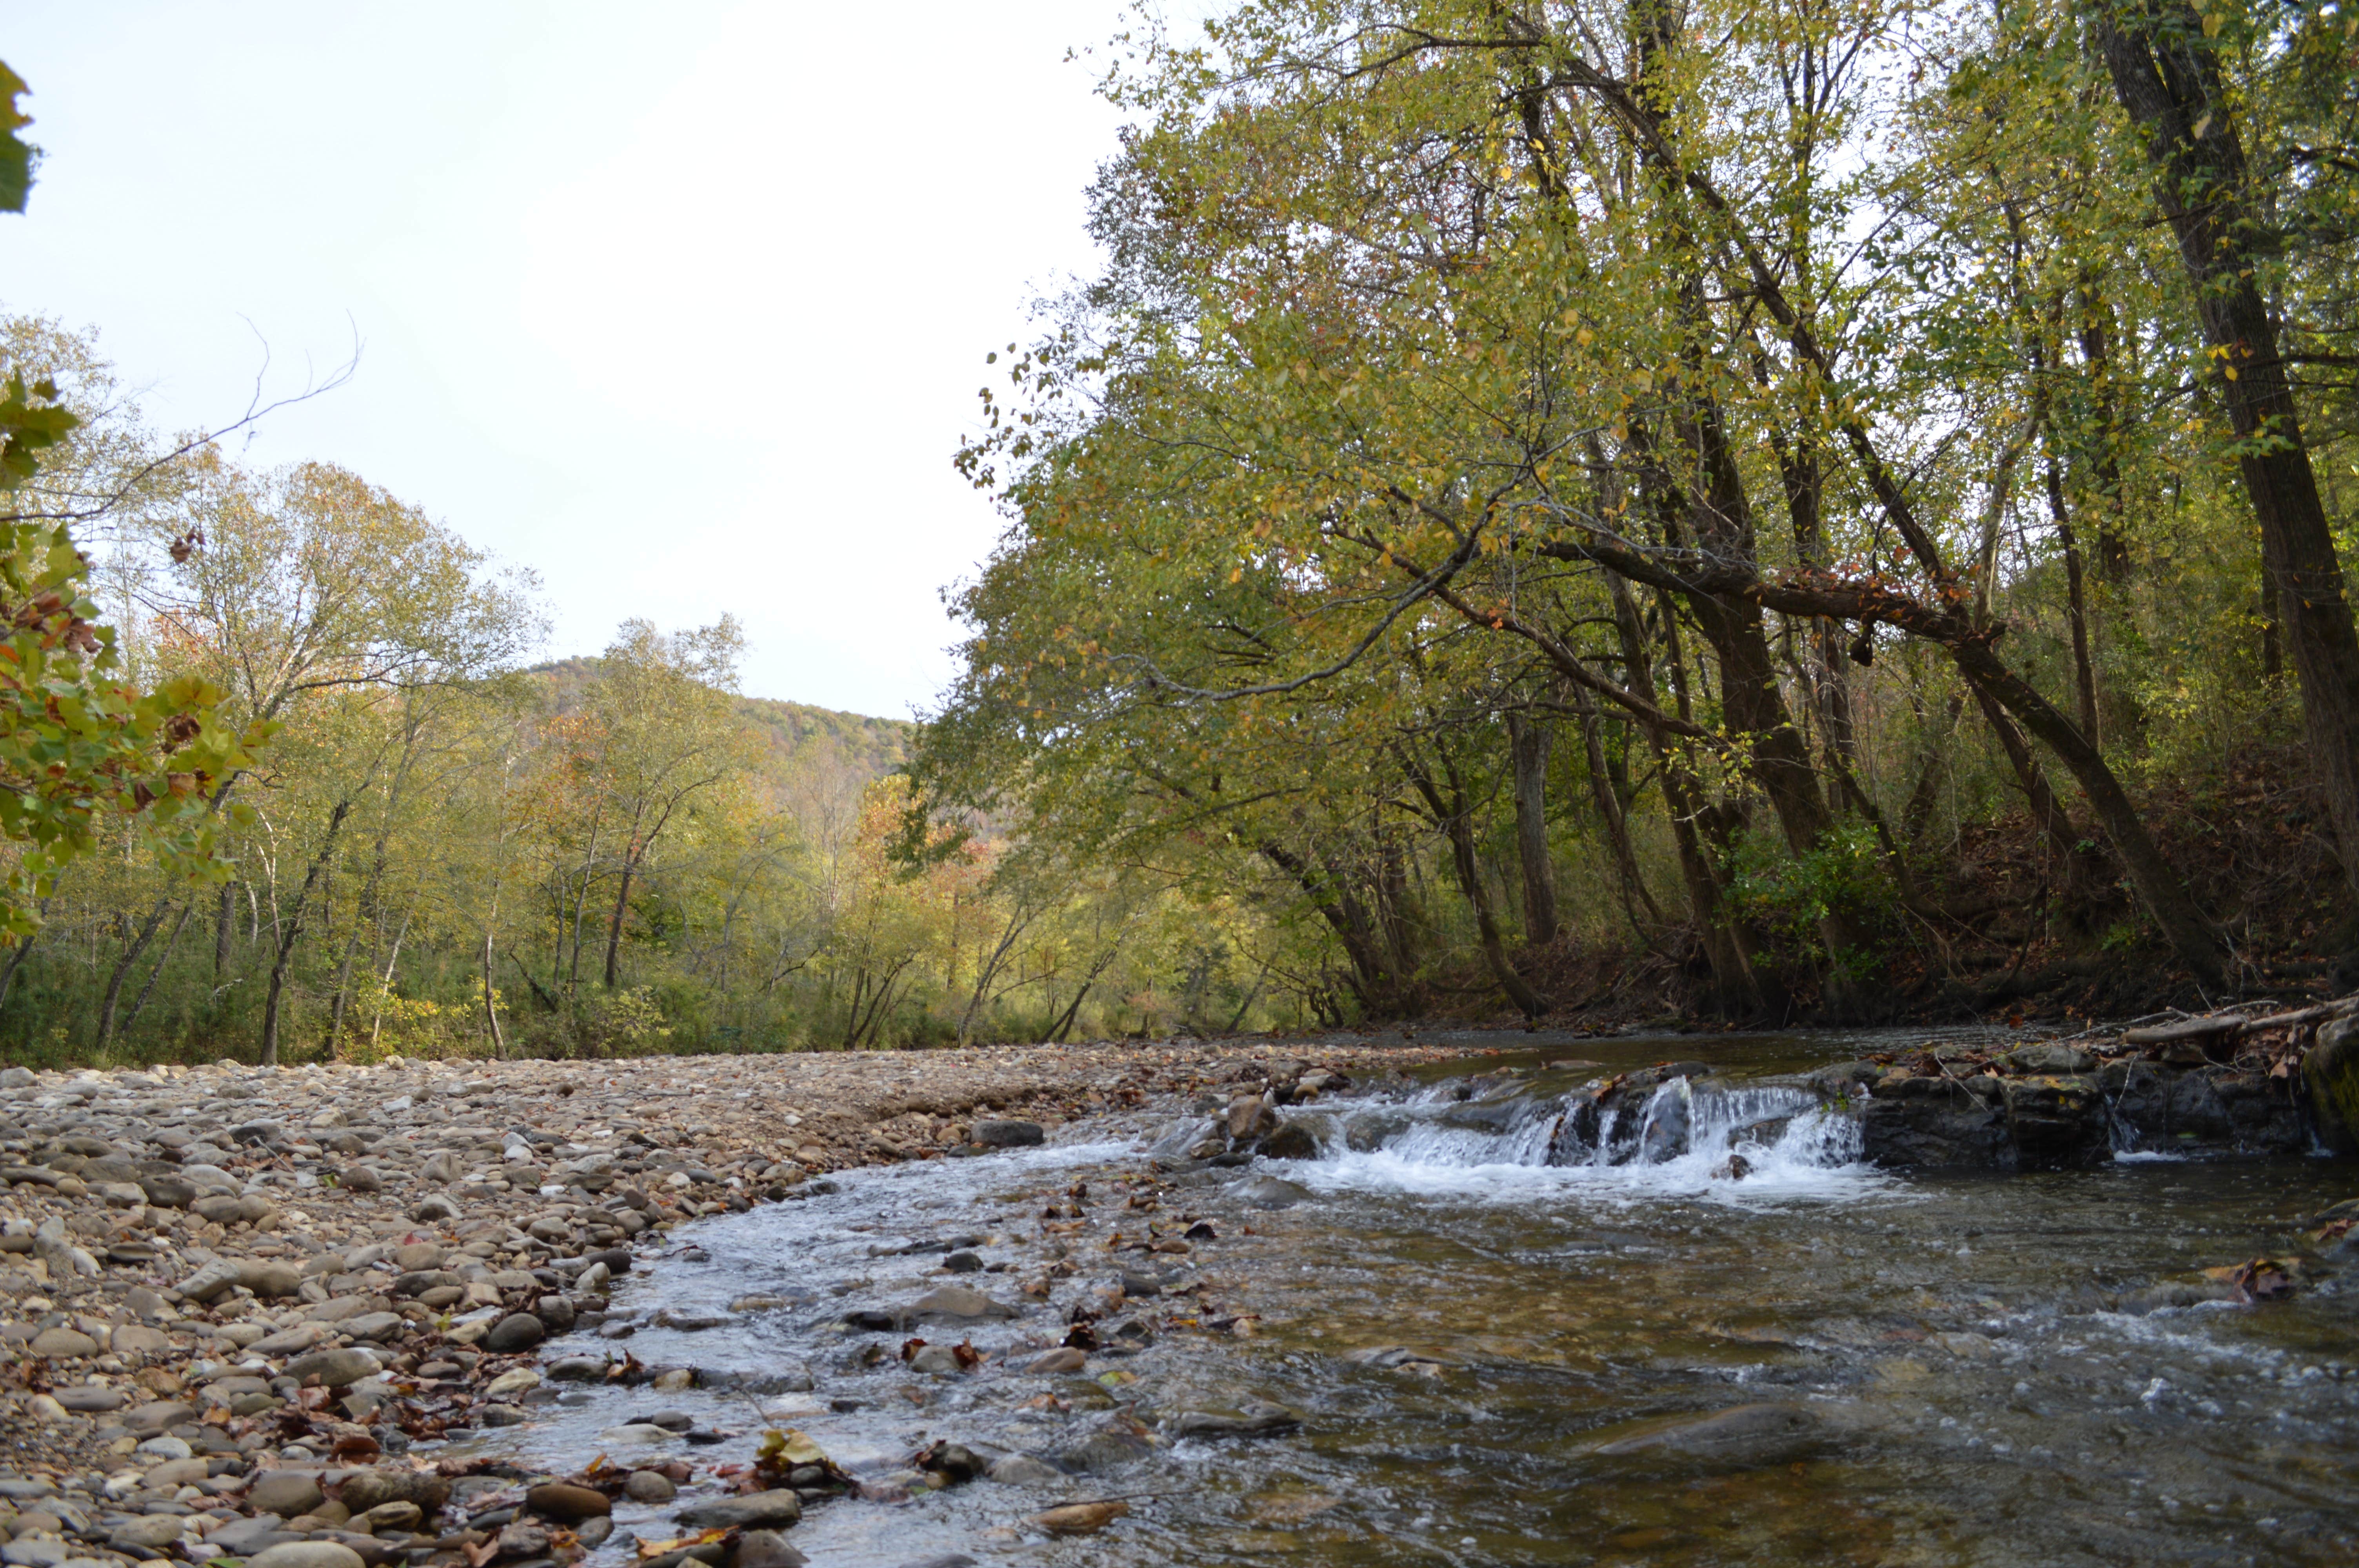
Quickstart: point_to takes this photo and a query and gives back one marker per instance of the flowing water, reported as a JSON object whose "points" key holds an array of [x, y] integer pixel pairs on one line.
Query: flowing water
{"points": [[1494, 1324]]}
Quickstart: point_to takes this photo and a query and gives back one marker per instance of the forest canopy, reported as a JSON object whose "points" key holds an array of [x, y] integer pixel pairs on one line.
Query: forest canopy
{"points": [[1817, 503]]}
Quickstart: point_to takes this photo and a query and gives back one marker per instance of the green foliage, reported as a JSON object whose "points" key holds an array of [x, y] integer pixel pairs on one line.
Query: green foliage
{"points": [[1790, 897], [18, 155]]}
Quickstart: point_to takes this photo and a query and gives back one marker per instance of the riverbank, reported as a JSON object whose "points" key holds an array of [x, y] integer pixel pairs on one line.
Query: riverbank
{"points": [[202, 1270], [246, 1313]]}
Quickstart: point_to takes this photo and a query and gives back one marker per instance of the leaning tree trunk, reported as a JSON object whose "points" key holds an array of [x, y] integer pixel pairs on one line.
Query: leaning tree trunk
{"points": [[1528, 742], [131, 951], [2167, 74], [293, 928]]}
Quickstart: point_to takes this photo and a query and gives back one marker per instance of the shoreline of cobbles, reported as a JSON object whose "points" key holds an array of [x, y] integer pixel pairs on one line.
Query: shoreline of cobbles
{"points": [[240, 1307]]}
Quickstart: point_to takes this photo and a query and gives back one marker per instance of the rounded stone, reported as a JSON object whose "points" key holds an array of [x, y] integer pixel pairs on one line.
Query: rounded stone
{"points": [[306, 1554], [566, 1503], [518, 1331], [333, 1368], [649, 1486], [60, 1343], [286, 1493]]}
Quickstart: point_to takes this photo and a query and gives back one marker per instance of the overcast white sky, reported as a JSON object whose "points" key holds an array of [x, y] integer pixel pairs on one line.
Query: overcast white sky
{"points": [[683, 306]]}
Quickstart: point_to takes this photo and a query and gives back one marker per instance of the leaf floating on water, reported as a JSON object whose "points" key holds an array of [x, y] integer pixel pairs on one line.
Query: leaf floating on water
{"points": [[2258, 1279]]}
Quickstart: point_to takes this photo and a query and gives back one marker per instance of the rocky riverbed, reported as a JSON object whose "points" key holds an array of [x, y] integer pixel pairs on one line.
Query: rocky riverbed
{"points": [[239, 1306], [1172, 1303]]}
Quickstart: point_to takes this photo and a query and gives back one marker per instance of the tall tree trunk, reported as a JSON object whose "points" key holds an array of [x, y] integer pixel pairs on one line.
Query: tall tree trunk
{"points": [[131, 951], [291, 928], [164, 956], [1528, 740], [491, 1006], [2076, 608], [614, 927], [1736, 989], [1381, 988], [1616, 822], [2167, 74], [16, 957], [1454, 816]]}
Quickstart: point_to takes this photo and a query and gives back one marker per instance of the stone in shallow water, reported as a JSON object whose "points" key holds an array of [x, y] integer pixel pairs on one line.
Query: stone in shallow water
{"points": [[1767, 1433], [956, 1301], [754, 1511], [1258, 1419], [1023, 1470], [1009, 1134], [649, 1486], [1271, 1192]]}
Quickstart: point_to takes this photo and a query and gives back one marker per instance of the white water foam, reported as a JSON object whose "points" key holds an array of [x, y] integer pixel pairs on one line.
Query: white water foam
{"points": [[1794, 1149]]}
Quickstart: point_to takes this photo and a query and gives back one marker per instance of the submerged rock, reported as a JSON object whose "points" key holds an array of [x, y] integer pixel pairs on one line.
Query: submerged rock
{"points": [[1271, 1192], [1753, 1434], [1292, 1141]]}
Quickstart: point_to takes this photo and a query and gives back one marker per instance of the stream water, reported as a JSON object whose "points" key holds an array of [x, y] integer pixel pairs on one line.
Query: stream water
{"points": [[1499, 1359]]}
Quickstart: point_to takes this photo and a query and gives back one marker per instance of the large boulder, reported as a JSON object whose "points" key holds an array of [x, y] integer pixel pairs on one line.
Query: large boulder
{"points": [[2330, 1073], [1937, 1124]]}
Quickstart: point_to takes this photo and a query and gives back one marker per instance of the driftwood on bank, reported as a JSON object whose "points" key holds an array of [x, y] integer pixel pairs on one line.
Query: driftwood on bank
{"points": [[2228, 1023]]}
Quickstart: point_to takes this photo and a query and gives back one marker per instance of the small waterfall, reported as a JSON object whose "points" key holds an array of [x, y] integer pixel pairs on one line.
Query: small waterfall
{"points": [[1648, 1131]]}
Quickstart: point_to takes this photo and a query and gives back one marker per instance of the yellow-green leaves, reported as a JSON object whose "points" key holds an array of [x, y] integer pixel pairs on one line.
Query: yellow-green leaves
{"points": [[18, 155]]}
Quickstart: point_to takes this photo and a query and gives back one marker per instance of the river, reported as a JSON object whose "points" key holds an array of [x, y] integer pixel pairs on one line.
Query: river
{"points": [[1488, 1358]]}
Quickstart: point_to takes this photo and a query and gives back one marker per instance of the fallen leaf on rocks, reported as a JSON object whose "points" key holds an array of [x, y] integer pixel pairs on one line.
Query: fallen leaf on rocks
{"points": [[1082, 1519]]}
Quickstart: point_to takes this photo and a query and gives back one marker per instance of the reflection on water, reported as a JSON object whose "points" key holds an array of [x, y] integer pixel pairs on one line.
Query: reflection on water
{"points": [[1477, 1341]]}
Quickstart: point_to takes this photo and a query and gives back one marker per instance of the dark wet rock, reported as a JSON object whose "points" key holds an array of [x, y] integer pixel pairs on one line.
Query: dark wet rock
{"points": [[2056, 1123], [962, 1263], [954, 1460], [1292, 1141], [1271, 1192], [754, 1511], [1504, 1115], [1669, 1121], [765, 1549], [1745, 1434], [2331, 1073], [1010, 1134], [1257, 1419], [518, 1331], [1104, 1451], [1936, 1124]]}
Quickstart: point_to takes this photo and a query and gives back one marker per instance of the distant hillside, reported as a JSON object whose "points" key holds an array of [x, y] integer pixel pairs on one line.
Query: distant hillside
{"points": [[870, 748]]}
